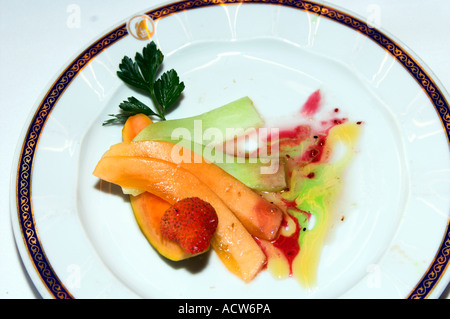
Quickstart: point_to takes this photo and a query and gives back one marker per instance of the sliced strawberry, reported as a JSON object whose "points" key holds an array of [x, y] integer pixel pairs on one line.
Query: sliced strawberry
{"points": [[191, 222]]}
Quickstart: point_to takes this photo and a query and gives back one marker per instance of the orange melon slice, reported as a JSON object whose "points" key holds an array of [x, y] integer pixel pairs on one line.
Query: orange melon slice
{"points": [[260, 217], [234, 245]]}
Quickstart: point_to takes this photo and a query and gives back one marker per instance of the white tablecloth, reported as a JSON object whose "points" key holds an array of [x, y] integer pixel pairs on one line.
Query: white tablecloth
{"points": [[38, 38]]}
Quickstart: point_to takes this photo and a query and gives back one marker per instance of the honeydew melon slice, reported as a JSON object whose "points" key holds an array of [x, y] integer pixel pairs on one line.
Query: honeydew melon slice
{"points": [[202, 133]]}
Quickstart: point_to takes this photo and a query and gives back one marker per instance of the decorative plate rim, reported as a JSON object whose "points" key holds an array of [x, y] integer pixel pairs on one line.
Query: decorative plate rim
{"points": [[27, 148]]}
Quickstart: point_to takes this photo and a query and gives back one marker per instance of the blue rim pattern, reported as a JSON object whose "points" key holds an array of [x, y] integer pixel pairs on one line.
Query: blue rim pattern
{"points": [[24, 171]]}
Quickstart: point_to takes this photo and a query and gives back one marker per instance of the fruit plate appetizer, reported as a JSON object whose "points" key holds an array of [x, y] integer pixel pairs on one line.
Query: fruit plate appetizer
{"points": [[238, 148]]}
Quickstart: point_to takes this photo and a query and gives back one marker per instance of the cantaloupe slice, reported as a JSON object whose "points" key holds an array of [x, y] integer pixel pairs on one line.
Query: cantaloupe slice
{"points": [[234, 245], [148, 210], [134, 125], [261, 218], [131, 128]]}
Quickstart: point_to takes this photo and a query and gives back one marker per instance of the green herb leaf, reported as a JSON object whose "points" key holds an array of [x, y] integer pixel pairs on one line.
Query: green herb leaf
{"points": [[133, 105], [129, 108], [168, 89], [141, 74], [117, 119], [130, 74], [149, 62]]}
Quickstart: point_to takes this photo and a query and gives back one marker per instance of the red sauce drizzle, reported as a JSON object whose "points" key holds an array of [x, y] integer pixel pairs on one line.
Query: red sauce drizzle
{"points": [[300, 132], [289, 245], [312, 104], [314, 152]]}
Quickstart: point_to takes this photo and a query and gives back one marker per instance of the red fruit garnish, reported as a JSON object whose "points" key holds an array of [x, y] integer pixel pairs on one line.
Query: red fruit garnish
{"points": [[191, 222]]}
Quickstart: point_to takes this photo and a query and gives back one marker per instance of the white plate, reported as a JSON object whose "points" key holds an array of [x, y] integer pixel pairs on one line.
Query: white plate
{"points": [[80, 240]]}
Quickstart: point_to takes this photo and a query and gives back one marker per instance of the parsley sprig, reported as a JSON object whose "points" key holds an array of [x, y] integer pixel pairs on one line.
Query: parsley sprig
{"points": [[141, 74]]}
